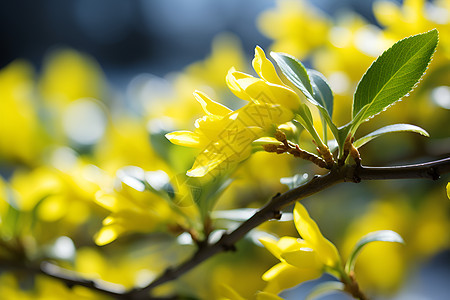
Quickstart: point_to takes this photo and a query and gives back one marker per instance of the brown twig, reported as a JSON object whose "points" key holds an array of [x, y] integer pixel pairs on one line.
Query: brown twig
{"points": [[294, 149], [352, 287]]}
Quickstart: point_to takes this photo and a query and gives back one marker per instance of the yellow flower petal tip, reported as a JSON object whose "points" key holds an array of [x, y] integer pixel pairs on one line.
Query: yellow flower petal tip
{"points": [[105, 236], [211, 107], [264, 67], [184, 138]]}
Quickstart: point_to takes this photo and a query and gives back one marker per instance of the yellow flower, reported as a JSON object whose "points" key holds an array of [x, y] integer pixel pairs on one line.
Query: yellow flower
{"points": [[267, 89], [225, 136], [301, 259]]}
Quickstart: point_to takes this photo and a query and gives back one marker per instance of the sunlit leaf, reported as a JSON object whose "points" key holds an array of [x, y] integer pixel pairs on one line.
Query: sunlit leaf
{"points": [[294, 181], [376, 236], [393, 75], [390, 129], [321, 90], [294, 70], [311, 83]]}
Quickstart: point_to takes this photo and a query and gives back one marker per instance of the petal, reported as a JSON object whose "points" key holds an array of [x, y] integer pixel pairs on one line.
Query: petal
{"points": [[310, 232], [264, 67], [228, 293], [205, 163], [285, 243], [271, 245], [108, 234], [303, 258], [266, 92], [283, 276], [211, 126], [184, 138], [258, 90], [231, 80], [263, 115], [210, 106], [106, 200]]}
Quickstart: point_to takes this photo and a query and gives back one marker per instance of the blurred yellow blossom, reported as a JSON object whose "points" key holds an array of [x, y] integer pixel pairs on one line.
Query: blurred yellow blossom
{"points": [[414, 16], [126, 142], [69, 75], [21, 135], [352, 45], [296, 27], [164, 96], [131, 211], [57, 193], [226, 51]]}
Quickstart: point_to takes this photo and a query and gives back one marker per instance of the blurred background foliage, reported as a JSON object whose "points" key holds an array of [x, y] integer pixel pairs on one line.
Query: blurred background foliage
{"points": [[89, 88]]}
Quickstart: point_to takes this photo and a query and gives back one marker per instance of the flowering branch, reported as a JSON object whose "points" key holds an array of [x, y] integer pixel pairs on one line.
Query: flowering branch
{"points": [[430, 170], [338, 174]]}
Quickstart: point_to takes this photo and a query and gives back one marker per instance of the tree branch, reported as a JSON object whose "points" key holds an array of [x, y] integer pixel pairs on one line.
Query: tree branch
{"points": [[430, 170], [71, 278]]}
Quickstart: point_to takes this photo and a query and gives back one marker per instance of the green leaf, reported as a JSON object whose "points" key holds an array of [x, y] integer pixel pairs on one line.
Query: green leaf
{"points": [[212, 193], [304, 117], [389, 129], [311, 83], [321, 91], [325, 288], [341, 136], [376, 236], [294, 70], [392, 76], [204, 194]]}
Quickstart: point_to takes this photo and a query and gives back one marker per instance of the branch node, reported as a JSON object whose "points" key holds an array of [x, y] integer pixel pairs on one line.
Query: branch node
{"points": [[276, 196], [277, 215], [169, 273], [231, 248], [434, 174]]}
